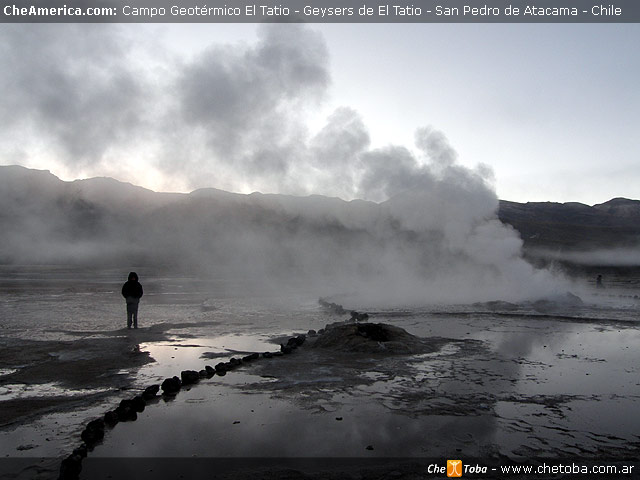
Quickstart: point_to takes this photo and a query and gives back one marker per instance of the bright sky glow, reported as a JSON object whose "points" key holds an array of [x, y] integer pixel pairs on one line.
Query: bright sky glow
{"points": [[553, 109]]}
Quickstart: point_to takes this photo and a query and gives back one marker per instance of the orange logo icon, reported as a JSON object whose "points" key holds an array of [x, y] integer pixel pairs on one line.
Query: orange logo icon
{"points": [[454, 468]]}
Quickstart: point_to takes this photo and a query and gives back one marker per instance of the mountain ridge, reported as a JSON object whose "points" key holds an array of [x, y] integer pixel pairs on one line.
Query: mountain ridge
{"points": [[614, 203], [615, 223], [98, 210]]}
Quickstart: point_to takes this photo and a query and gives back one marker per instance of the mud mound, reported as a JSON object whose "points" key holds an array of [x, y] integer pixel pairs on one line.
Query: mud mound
{"points": [[371, 338]]}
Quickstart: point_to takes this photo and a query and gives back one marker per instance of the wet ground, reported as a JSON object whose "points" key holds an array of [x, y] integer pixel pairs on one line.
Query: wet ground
{"points": [[502, 387], [505, 381]]}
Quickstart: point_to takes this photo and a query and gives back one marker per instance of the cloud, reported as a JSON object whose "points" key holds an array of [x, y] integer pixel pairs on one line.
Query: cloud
{"points": [[71, 88], [245, 102], [436, 146], [232, 117]]}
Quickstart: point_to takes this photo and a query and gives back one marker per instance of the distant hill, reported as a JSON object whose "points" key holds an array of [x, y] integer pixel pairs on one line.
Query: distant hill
{"points": [[101, 220], [571, 226], [44, 219]]}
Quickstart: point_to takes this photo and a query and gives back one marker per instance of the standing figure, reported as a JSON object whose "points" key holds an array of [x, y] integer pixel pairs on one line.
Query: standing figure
{"points": [[599, 282], [132, 291]]}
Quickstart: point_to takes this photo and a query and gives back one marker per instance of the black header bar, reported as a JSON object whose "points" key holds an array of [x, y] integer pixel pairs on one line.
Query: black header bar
{"points": [[319, 11]]}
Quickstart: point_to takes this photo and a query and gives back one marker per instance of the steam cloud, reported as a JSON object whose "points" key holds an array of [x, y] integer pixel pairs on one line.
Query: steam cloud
{"points": [[232, 117], [68, 88]]}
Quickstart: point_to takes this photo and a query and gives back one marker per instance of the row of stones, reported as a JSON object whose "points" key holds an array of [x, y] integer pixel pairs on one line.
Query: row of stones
{"points": [[128, 409]]}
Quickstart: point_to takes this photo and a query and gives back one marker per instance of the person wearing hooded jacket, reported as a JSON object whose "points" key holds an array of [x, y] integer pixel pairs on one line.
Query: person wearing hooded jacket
{"points": [[132, 292]]}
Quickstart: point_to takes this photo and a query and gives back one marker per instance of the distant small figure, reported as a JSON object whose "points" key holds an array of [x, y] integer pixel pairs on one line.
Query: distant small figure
{"points": [[132, 292], [599, 282]]}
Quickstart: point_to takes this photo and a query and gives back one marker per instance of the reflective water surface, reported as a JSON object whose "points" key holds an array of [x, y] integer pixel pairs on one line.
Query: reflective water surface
{"points": [[509, 380]]}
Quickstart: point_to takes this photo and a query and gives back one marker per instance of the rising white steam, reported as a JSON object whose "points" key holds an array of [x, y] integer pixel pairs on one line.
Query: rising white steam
{"points": [[411, 227]]}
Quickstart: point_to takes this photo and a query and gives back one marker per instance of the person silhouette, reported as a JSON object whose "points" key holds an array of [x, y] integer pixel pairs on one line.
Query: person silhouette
{"points": [[599, 282], [132, 292]]}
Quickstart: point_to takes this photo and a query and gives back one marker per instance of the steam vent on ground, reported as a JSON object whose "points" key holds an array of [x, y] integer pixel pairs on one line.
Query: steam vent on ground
{"points": [[373, 338]]}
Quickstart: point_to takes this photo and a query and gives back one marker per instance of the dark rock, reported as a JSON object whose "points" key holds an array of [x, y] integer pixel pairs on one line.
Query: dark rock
{"points": [[138, 403], [94, 432], [332, 307], [111, 418], [91, 437], [210, 371], [373, 338], [81, 451], [27, 446], [375, 331], [277, 354], [189, 377], [312, 333], [70, 467], [359, 317], [369, 447], [150, 392], [235, 362], [321, 331], [97, 424], [203, 373], [267, 355], [126, 411], [221, 368], [171, 386], [221, 373], [251, 357], [132, 416], [295, 342], [286, 349]]}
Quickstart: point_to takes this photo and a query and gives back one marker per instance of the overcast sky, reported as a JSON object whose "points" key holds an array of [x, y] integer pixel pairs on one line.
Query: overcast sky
{"points": [[553, 110]]}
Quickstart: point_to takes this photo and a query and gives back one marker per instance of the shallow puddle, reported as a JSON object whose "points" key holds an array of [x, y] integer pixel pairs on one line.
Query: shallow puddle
{"points": [[175, 356], [215, 419]]}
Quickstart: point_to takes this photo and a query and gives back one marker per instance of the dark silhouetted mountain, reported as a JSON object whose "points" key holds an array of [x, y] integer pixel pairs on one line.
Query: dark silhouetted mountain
{"points": [[613, 224], [44, 219], [102, 220]]}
